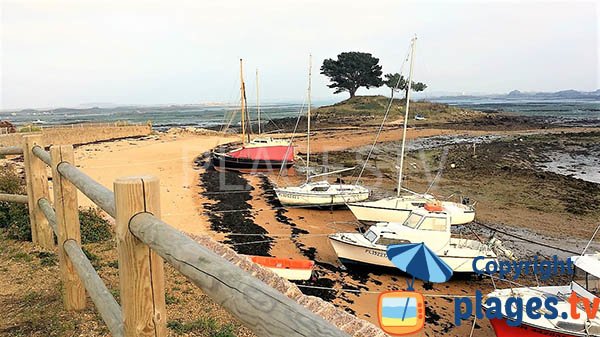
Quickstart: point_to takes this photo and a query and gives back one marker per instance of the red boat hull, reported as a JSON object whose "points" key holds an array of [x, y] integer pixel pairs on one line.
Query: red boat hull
{"points": [[502, 329], [278, 153]]}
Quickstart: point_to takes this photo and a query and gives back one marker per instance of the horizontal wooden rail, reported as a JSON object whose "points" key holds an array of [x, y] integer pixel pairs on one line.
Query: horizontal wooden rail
{"points": [[22, 199], [42, 154], [107, 306], [100, 195], [105, 303], [264, 310], [11, 150], [48, 211]]}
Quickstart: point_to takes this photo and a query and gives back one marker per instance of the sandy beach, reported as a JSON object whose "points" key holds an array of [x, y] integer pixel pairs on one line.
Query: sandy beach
{"points": [[193, 201], [169, 157]]}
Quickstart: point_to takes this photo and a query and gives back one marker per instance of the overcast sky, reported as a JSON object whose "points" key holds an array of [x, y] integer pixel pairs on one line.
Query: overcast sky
{"points": [[64, 53]]}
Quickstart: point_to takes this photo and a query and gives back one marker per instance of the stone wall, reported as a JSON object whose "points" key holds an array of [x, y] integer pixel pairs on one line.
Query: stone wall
{"points": [[344, 321], [79, 134]]}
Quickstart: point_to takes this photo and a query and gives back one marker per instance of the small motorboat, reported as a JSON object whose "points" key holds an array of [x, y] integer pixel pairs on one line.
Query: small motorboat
{"points": [[585, 284], [428, 225], [290, 269]]}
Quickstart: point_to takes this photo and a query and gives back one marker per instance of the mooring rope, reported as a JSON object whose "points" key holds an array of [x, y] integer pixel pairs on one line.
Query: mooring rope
{"points": [[526, 240], [358, 291]]}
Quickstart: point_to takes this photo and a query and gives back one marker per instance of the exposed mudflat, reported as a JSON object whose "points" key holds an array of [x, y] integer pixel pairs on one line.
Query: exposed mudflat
{"points": [[530, 210]]}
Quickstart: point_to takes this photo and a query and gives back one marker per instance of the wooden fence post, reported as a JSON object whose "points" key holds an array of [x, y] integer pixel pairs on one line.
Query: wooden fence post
{"points": [[68, 227], [141, 273], [37, 187]]}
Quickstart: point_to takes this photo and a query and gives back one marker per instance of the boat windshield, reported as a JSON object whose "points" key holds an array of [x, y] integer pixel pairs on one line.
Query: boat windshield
{"points": [[588, 281], [371, 236], [433, 224], [320, 188], [413, 220]]}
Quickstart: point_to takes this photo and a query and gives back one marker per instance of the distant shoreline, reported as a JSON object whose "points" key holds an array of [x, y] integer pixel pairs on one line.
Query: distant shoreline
{"points": [[213, 117]]}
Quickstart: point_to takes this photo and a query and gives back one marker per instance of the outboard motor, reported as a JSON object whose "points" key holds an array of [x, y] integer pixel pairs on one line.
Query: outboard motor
{"points": [[497, 244]]}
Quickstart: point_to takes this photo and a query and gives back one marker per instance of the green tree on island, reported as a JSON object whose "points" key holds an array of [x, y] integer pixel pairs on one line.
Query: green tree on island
{"points": [[351, 71], [392, 79]]}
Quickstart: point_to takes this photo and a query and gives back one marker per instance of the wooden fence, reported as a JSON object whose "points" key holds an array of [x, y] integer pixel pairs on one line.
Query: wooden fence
{"points": [[143, 241]]}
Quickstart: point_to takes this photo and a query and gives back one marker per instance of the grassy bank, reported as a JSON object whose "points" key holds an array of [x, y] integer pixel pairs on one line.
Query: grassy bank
{"points": [[371, 109], [31, 294], [361, 111]]}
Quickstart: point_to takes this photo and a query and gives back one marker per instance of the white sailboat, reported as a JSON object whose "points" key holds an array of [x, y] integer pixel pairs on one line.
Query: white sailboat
{"points": [[422, 225], [398, 208], [319, 193], [585, 284]]}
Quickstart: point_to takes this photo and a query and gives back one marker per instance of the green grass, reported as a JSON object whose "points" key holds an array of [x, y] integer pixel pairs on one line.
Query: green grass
{"points": [[94, 228], [94, 259], [47, 259], [22, 257], [208, 326], [170, 299], [29, 128], [372, 109]]}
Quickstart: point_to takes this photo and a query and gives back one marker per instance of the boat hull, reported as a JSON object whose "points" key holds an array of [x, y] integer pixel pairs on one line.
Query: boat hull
{"points": [[349, 253], [390, 210], [224, 161], [371, 214], [502, 329], [277, 153], [297, 270], [291, 198]]}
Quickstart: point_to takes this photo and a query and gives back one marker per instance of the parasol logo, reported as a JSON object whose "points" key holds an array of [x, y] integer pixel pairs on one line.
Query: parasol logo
{"points": [[403, 312]]}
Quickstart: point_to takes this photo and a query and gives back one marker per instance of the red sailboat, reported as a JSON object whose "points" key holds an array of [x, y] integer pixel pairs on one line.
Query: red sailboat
{"points": [[258, 154]]}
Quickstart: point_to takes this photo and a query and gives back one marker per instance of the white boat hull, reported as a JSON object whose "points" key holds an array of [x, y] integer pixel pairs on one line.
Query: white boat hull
{"points": [[292, 274], [398, 209], [336, 195], [349, 253]]}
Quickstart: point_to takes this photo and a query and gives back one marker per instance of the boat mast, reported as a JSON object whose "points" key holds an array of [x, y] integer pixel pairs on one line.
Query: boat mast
{"points": [[308, 119], [410, 74], [243, 104], [258, 103]]}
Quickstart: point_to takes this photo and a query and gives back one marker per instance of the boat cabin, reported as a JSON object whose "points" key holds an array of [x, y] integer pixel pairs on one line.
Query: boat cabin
{"points": [[432, 228], [264, 140], [586, 276], [268, 141]]}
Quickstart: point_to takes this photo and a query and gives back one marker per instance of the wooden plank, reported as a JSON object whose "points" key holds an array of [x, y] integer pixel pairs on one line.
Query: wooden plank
{"points": [[11, 150], [141, 272], [22, 199], [37, 188], [261, 308], [68, 228]]}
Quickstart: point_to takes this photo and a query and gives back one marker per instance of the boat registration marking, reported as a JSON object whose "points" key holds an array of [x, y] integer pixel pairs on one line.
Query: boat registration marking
{"points": [[376, 253]]}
